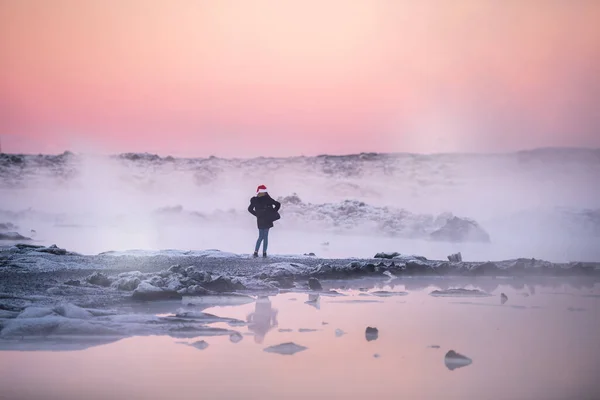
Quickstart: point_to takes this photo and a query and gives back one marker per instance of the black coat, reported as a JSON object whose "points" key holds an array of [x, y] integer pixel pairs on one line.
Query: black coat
{"points": [[263, 208]]}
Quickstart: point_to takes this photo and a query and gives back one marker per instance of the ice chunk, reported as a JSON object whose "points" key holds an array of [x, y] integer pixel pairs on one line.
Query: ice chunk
{"points": [[285, 349], [8, 314], [371, 334], [285, 330], [200, 345], [459, 293], [126, 283], [99, 279], [503, 298], [72, 311], [219, 300], [148, 292], [454, 360], [384, 293], [304, 330], [54, 326], [36, 312], [339, 333], [236, 337]]}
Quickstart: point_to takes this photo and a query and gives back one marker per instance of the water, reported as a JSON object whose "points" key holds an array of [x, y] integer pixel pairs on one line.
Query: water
{"points": [[541, 344]]}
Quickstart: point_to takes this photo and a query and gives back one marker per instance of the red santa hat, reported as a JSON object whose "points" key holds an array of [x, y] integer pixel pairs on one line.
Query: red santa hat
{"points": [[261, 189]]}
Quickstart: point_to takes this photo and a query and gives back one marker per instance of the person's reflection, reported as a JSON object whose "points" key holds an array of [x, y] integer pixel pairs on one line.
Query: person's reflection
{"points": [[263, 319]]}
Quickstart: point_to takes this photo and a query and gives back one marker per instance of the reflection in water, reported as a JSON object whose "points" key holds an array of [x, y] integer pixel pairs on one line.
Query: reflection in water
{"points": [[263, 319], [536, 347]]}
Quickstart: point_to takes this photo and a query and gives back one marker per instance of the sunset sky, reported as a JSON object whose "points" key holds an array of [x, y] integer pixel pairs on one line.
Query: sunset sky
{"points": [[282, 77]]}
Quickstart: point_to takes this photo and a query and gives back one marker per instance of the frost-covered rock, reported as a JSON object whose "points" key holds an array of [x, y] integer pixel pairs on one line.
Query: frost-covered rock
{"points": [[68, 310], [224, 284], [36, 312], [148, 292], [98, 278], [461, 230], [457, 257], [127, 283]]}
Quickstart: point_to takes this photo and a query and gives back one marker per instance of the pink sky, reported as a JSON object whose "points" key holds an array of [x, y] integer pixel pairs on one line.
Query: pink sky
{"points": [[282, 77]]}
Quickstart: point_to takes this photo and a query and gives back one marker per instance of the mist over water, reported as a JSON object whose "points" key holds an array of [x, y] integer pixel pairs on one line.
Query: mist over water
{"points": [[542, 203]]}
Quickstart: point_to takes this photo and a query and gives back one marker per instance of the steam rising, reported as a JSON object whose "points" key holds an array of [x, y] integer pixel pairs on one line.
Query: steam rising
{"points": [[541, 204]]}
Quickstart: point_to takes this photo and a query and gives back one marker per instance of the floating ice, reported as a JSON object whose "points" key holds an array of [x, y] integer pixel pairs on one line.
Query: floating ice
{"points": [[339, 333], [200, 345], [285, 349], [384, 293], [304, 330], [459, 293]]}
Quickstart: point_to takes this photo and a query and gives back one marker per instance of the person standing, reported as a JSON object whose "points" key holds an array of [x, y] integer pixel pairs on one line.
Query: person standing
{"points": [[266, 211]]}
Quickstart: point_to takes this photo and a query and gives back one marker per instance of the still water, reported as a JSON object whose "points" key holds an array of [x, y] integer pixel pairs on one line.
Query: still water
{"points": [[542, 343]]}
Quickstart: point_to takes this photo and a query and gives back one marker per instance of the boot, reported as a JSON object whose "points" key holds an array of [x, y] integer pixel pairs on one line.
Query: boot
{"points": [[255, 255], [264, 255]]}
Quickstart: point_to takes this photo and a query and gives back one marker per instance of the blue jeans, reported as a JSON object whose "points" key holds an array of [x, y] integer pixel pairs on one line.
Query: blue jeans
{"points": [[263, 237]]}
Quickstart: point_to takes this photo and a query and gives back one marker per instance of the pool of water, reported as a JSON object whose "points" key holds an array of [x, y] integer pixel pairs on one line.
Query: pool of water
{"points": [[542, 343]]}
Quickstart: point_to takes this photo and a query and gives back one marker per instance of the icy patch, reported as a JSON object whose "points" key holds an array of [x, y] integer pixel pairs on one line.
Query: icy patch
{"points": [[219, 300], [285, 349], [356, 301], [384, 293], [459, 293]]}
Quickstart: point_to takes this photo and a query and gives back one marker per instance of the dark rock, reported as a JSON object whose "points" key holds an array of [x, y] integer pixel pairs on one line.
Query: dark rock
{"points": [[283, 282], [461, 230], [314, 284], [12, 236], [371, 334], [223, 284], [387, 255], [457, 257], [454, 360], [98, 278], [57, 251], [368, 268], [310, 254]]}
